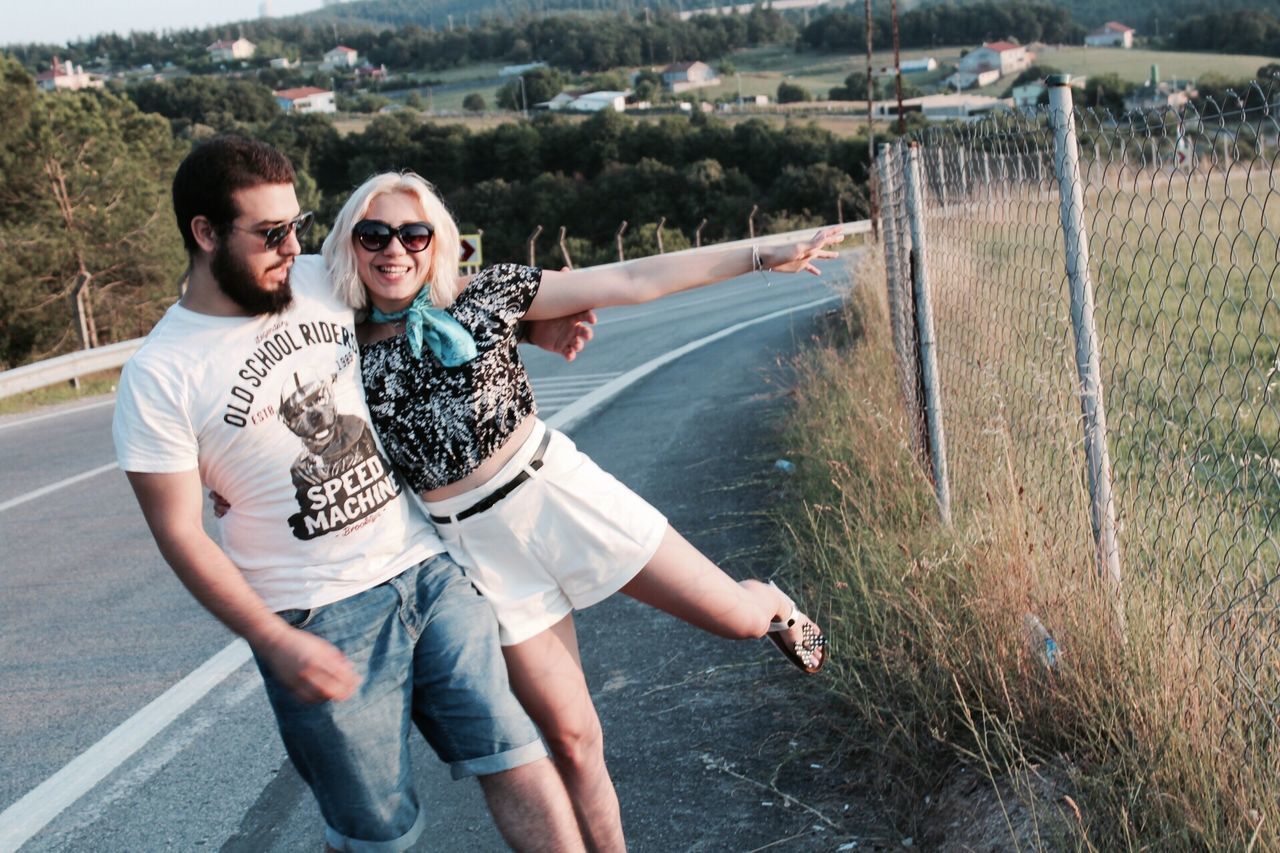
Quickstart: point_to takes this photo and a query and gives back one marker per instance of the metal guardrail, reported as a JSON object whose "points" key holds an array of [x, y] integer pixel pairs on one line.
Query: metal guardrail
{"points": [[64, 368], [73, 365]]}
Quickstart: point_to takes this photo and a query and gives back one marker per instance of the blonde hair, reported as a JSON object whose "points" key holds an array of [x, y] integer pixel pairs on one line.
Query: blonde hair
{"points": [[340, 251]]}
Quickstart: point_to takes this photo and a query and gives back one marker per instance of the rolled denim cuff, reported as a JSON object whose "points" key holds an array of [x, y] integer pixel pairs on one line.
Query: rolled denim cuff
{"points": [[396, 845], [490, 764]]}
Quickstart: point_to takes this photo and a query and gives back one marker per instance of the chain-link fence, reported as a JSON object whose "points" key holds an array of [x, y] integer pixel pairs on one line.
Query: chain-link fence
{"points": [[1099, 295]]}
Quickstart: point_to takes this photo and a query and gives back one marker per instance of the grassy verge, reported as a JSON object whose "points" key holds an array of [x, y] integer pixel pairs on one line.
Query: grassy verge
{"points": [[103, 382], [1122, 744]]}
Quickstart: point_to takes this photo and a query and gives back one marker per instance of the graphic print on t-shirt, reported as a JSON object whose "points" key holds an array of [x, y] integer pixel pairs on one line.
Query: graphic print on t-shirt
{"points": [[339, 477]]}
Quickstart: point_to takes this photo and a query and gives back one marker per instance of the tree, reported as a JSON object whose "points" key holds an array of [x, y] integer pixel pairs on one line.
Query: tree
{"points": [[84, 199], [791, 93], [540, 85], [1107, 91], [474, 103]]}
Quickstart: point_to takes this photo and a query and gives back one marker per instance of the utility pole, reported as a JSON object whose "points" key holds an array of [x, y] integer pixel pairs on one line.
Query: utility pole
{"points": [[871, 95], [897, 68]]}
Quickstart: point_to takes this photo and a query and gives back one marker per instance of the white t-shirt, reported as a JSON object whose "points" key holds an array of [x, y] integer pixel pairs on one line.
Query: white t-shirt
{"points": [[271, 411]]}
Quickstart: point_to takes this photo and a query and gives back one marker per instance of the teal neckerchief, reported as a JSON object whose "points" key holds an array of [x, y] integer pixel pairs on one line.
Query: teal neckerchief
{"points": [[445, 336]]}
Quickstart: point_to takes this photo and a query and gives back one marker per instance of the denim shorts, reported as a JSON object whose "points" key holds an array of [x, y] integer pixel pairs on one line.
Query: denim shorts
{"points": [[426, 645]]}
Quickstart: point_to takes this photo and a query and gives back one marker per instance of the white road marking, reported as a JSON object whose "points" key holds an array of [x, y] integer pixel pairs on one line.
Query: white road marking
{"points": [[53, 487], [44, 417], [46, 801], [29, 815], [573, 414]]}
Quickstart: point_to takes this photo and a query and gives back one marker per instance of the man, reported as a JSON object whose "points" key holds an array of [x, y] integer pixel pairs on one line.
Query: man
{"points": [[358, 620]]}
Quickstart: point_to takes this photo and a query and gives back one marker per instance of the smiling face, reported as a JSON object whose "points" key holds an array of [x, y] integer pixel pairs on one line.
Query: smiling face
{"points": [[392, 275]]}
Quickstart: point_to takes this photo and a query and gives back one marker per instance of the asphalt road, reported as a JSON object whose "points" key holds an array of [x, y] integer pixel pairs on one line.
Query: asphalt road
{"points": [[95, 632]]}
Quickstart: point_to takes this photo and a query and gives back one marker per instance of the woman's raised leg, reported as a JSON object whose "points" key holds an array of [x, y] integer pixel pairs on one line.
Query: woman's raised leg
{"points": [[681, 581], [546, 675]]}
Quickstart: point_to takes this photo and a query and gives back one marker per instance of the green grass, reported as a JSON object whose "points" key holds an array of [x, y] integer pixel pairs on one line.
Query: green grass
{"points": [[103, 382]]}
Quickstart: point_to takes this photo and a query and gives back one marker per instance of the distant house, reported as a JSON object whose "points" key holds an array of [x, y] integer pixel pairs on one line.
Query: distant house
{"points": [[1110, 34], [1156, 94], [1026, 96], [341, 57], [961, 80], [282, 62], [369, 72], [307, 99], [1001, 56], [67, 76], [911, 66], [516, 70], [945, 107], [683, 76], [230, 51], [590, 102]]}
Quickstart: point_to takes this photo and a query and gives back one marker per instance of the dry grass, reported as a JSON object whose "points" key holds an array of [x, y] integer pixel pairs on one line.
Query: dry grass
{"points": [[1161, 734]]}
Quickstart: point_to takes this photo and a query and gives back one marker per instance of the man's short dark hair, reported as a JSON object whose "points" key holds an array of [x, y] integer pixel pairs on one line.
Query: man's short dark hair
{"points": [[215, 169]]}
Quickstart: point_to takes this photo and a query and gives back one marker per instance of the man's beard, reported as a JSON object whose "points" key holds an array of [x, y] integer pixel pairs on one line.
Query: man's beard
{"points": [[236, 279]]}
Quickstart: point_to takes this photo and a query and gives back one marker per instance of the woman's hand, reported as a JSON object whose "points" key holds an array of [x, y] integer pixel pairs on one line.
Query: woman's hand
{"points": [[795, 257]]}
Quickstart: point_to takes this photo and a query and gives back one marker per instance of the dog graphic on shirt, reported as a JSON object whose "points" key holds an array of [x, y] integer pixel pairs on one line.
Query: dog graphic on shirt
{"points": [[340, 477]]}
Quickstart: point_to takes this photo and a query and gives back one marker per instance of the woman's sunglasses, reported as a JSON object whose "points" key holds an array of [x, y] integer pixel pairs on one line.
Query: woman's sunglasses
{"points": [[375, 235]]}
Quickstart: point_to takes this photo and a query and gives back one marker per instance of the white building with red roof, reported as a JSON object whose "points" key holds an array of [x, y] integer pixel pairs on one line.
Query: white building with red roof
{"points": [[1005, 57], [306, 99], [68, 76], [1110, 34], [341, 57]]}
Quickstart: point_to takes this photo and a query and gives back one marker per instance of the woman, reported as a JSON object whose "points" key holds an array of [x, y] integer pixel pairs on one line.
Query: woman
{"points": [[540, 530]]}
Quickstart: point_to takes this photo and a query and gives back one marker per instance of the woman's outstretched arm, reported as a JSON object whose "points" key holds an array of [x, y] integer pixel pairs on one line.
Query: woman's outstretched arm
{"points": [[646, 279]]}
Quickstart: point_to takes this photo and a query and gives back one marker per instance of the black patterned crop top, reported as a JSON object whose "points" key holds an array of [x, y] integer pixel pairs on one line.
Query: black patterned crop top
{"points": [[439, 423]]}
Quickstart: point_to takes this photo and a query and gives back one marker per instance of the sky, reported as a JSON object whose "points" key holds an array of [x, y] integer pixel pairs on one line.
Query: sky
{"points": [[59, 21]]}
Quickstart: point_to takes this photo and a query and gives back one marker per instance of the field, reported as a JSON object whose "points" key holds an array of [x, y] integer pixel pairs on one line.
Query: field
{"points": [[762, 69], [759, 71]]}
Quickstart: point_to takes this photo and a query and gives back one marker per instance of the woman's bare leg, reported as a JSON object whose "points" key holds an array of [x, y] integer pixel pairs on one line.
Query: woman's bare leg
{"points": [[546, 674], [681, 581]]}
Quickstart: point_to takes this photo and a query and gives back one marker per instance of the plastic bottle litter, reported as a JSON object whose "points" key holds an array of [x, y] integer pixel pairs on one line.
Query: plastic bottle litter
{"points": [[1042, 641]]}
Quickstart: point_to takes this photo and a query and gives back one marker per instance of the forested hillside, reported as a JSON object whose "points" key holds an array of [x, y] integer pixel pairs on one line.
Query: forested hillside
{"points": [[84, 180]]}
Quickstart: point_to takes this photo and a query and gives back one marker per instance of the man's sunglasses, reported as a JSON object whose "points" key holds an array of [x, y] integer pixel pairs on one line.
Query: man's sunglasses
{"points": [[374, 235], [277, 234]]}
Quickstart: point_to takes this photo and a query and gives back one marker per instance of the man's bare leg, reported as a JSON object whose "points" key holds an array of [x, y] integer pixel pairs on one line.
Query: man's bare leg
{"points": [[531, 808]]}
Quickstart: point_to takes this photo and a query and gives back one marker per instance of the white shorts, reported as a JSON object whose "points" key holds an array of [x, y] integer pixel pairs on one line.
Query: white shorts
{"points": [[568, 537]]}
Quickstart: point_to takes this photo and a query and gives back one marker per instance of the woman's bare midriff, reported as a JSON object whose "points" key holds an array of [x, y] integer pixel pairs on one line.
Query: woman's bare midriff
{"points": [[488, 468]]}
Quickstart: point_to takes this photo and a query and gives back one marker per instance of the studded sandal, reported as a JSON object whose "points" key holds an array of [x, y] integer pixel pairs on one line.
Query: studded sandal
{"points": [[804, 652]]}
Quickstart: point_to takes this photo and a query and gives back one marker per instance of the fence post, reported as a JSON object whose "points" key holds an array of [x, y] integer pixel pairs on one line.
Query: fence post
{"points": [[533, 238], [1088, 364], [889, 230], [564, 250], [930, 382], [899, 295], [84, 321], [622, 229]]}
